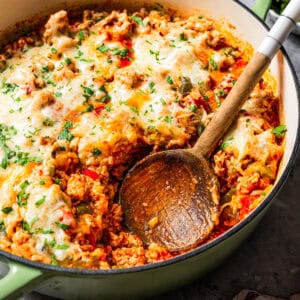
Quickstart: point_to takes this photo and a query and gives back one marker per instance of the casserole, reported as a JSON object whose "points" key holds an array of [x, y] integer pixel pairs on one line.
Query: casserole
{"points": [[208, 245]]}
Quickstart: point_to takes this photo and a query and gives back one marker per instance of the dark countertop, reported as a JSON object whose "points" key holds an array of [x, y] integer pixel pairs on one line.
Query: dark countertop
{"points": [[269, 261]]}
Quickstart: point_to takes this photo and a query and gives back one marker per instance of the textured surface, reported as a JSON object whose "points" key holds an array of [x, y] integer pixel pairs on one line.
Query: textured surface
{"points": [[269, 261]]}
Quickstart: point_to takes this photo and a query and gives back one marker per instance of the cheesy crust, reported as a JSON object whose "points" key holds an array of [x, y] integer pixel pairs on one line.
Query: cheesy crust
{"points": [[83, 99]]}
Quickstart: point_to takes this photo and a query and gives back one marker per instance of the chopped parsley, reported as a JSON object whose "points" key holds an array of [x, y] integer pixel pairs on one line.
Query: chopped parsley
{"points": [[103, 89], [7, 210], [122, 53], [163, 101], [81, 37], [58, 94], [22, 196], [168, 119], [62, 226], [192, 107], [68, 61], [28, 226], [2, 226], [54, 261], [79, 54], [182, 37], [57, 180], [40, 201], [88, 109], [104, 98], [134, 109], [88, 92], [62, 247], [6, 133], [138, 20], [23, 158], [151, 87], [65, 134], [45, 69], [226, 143], [8, 87], [103, 48], [108, 108], [213, 64], [96, 152], [169, 80], [48, 231], [279, 130], [156, 54]]}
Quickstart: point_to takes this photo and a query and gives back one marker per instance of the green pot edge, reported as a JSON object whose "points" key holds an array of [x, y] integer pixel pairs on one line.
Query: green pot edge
{"points": [[18, 277], [261, 8]]}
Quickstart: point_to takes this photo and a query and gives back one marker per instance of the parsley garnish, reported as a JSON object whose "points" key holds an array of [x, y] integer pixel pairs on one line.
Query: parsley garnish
{"points": [[169, 80], [213, 64], [62, 226], [7, 209], [8, 87], [80, 37], [226, 143], [48, 231], [168, 119], [279, 130], [182, 37], [151, 87], [79, 54], [48, 122], [96, 152], [155, 54], [134, 109], [2, 226], [6, 133], [40, 202], [45, 69], [88, 109], [62, 247], [58, 94], [138, 20], [123, 53], [22, 196], [163, 101], [87, 92], [65, 134], [68, 61], [23, 158], [103, 48], [192, 107]]}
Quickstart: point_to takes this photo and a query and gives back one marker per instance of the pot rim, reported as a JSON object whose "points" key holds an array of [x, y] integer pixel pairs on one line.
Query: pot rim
{"points": [[232, 231]]}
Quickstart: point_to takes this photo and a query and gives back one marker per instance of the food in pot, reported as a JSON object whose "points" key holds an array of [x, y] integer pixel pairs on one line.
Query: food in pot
{"points": [[83, 98]]}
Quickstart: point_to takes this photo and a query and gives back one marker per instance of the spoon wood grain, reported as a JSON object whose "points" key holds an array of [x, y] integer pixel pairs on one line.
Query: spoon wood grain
{"points": [[171, 197]]}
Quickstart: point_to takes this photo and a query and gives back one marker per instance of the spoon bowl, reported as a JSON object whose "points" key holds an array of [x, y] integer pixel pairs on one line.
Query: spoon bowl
{"points": [[179, 203]]}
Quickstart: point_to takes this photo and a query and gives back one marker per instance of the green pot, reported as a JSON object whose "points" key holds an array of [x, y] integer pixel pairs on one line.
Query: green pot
{"points": [[24, 275]]}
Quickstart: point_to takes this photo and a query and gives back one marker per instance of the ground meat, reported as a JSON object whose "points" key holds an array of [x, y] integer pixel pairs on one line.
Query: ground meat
{"points": [[129, 257], [57, 24]]}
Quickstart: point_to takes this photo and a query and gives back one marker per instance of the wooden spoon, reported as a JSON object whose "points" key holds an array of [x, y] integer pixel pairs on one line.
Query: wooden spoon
{"points": [[171, 197]]}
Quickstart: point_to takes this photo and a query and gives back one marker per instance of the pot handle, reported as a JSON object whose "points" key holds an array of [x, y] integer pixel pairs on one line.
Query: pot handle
{"points": [[16, 279], [261, 8]]}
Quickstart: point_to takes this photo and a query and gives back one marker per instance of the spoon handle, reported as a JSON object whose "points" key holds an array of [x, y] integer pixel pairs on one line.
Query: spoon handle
{"points": [[252, 73]]}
